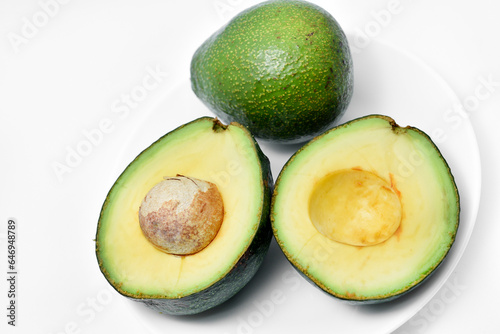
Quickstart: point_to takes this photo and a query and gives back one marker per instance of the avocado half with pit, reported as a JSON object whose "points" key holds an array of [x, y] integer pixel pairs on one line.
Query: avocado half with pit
{"points": [[366, 211], [186, 225]]}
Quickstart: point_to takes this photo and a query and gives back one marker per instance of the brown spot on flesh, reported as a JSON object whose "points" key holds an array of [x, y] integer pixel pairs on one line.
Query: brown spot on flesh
{"points": [[393, 185], [397, 233], [351, 295]]}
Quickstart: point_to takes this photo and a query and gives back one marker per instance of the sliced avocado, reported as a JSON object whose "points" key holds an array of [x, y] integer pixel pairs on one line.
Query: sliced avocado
{"points": [[366, 211], [281, 68], [179, 281]]}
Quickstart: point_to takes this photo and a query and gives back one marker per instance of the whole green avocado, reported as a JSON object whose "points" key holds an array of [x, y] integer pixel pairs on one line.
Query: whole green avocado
{"points": [[281, 68]]}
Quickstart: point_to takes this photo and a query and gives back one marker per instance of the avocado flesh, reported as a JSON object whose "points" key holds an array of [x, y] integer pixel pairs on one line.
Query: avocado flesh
{"points": [[205, 149], [413, 166], [281, 68]]}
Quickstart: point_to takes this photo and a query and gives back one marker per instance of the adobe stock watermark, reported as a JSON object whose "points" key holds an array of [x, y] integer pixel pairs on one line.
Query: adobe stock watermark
{"points": [[227, 8], [265, 308], [33, 24], [409, 161], [223, 177], [120, 110], [455, 116], [380, 19], [448, 294], [86, 312]]}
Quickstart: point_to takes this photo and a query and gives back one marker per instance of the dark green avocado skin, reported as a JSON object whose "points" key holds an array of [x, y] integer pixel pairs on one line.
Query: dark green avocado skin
{"points": [[241, 273], [367, 301], [281, 68]]}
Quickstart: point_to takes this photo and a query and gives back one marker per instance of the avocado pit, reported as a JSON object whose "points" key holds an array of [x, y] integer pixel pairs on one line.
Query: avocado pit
{"points": [[181, 215], [355, 207]]}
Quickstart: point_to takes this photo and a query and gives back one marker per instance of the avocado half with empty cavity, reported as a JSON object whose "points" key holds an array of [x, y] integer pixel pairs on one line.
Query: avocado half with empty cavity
{"points": [[186, 225], [366, 211]]}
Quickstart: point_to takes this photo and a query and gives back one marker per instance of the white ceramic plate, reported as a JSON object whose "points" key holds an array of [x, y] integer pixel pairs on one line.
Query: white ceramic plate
{"points": [[387, 81]]}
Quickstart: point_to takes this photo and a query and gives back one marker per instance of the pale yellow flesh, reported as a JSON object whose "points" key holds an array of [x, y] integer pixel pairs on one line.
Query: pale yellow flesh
{"points": [[227, 159], [355, 207], [428, 203]]}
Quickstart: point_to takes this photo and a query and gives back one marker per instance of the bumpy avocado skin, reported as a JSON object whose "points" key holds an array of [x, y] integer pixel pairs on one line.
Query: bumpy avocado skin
{"points": [[241, 273], [281, 68]]}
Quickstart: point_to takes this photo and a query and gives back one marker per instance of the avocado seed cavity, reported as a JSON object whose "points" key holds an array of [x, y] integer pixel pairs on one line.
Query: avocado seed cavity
{"points": [[181, 215], [355, 207]]}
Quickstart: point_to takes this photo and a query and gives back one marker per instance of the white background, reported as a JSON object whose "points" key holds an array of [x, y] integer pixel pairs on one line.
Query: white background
{"points": [[67, 76]]}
